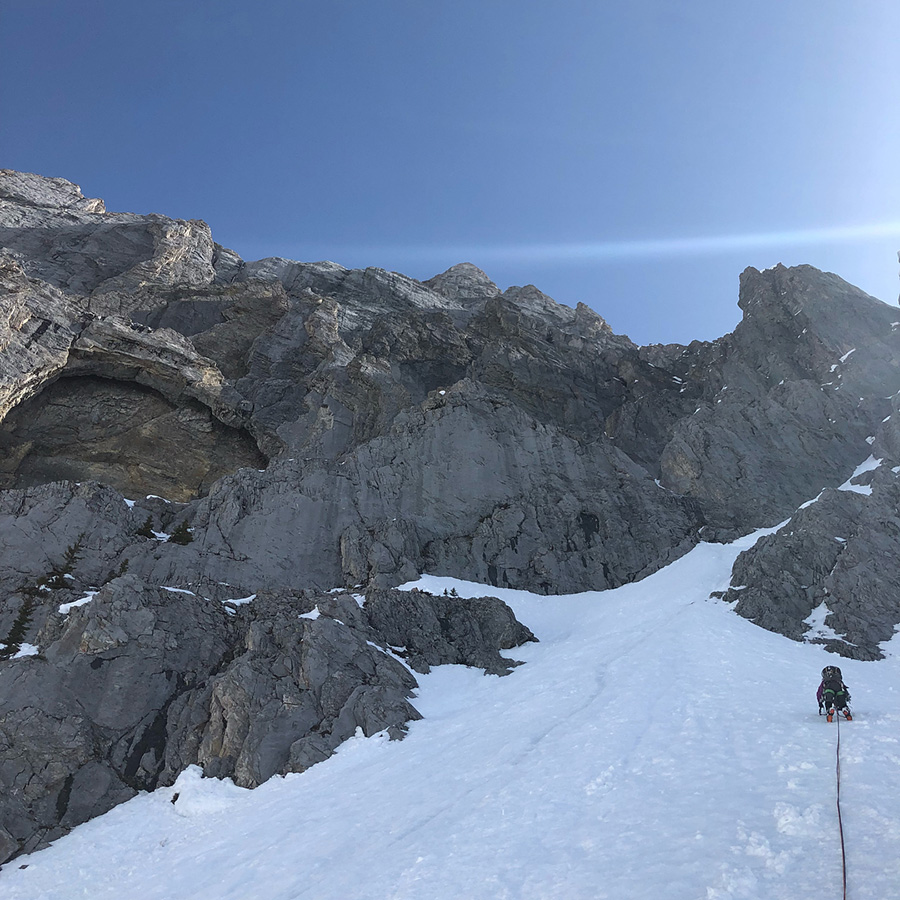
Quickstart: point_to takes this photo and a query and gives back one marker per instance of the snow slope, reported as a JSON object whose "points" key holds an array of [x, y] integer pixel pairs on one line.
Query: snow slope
{"points": [[655, 745]]}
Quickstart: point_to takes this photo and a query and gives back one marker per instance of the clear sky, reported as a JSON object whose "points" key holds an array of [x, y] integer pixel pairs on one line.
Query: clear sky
{"points": [[635, 155]]}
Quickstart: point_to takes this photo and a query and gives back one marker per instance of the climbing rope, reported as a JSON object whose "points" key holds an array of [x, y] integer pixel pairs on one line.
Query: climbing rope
{"points": [[840, 822]]}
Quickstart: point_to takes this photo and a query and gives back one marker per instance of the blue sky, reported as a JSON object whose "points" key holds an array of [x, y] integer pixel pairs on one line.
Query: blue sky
{"points": [[634, 156]]}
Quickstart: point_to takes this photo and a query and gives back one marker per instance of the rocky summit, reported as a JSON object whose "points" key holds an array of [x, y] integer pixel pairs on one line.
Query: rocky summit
{"points": [[216, 475]]}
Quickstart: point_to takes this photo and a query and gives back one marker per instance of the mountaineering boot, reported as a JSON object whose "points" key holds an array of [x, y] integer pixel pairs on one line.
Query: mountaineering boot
{"points": [[830, 715], [847, 715]]}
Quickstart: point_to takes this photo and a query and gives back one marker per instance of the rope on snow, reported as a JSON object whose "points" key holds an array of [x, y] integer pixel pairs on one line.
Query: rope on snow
{"points": [[840, 822]]}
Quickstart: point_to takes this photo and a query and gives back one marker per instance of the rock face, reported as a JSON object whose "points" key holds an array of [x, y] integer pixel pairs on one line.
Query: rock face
{"points": [[82, 725], [830, 574], [799, 386], [181, 429]]}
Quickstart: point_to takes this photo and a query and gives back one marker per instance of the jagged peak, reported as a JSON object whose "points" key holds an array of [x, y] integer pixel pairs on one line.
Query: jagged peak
{"points": [[838, 311], [802, 283], [534, 300], [462, 282]]}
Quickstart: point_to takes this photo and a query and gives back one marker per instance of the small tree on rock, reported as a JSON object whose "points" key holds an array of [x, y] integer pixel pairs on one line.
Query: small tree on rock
{"points": [[13, 640], [56, 578], [182, 534], [117, 573]]}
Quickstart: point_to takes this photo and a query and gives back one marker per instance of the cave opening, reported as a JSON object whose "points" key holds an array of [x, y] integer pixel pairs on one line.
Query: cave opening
{"points": [[126, 435]]}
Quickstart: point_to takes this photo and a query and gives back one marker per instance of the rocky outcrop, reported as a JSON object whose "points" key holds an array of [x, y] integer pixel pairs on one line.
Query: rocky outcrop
{"points": [[37, 328], [22, 193], [830, 574], [129, 684], [306, 674]]}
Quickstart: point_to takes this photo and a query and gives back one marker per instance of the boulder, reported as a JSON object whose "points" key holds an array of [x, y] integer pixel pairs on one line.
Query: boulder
{"points": [[427, 630]]}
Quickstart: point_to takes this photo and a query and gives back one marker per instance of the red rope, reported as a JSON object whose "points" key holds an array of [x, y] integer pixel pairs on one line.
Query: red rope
{"points": [[840, 822]]}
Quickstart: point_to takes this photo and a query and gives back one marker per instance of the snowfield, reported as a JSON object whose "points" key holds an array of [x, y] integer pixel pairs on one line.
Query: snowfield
{"points": [[655, 746]]}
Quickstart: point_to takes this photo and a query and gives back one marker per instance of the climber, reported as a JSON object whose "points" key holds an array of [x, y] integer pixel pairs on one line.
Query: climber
{"points": [[833, 694]]}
